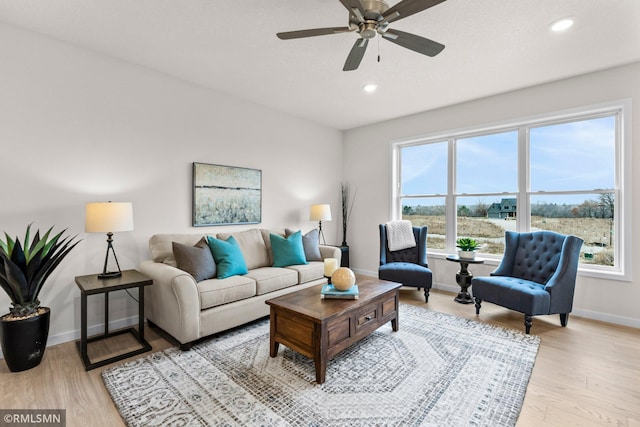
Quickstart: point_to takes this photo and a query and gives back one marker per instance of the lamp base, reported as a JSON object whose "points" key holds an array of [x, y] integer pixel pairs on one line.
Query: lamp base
{"points": [[109, 275]]}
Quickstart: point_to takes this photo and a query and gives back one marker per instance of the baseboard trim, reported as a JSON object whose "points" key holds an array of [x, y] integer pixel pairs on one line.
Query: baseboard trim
{"points": [[133, 320], [587, 314], [74, 335]]}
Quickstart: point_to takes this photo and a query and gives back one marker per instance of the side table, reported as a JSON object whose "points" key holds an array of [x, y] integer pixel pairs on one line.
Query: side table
{"points": [[463, 277], [92, 285]]}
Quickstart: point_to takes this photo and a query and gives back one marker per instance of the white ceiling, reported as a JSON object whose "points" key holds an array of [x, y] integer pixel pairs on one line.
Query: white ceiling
{"points": [[492, 46]]}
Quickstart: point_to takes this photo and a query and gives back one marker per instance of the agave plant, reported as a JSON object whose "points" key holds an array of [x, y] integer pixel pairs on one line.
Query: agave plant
{"points": [[24, 268]]}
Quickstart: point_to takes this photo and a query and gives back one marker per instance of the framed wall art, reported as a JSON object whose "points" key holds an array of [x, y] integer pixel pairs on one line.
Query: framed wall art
{"points": [[226, 195]]}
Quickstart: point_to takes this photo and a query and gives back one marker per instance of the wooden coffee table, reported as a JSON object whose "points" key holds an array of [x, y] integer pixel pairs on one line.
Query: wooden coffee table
{"points": [[321, 328]]}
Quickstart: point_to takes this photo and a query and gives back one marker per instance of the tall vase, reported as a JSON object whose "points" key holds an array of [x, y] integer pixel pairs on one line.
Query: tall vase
{"points": [[24, 341]]}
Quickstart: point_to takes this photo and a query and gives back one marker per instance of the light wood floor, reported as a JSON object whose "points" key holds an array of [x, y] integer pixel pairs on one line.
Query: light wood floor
{"points": [[587, 374]]}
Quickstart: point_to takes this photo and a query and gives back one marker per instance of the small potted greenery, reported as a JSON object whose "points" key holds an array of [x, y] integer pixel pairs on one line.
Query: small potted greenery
{"points": [[24, 269], [467, 247]]}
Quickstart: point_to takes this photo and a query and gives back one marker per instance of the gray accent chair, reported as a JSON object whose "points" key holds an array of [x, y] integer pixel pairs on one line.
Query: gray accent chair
{"points": [[406, 266], [537, 275]]}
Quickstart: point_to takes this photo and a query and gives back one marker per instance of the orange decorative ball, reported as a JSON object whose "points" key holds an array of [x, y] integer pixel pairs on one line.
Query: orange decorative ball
{"points": [[343, 279]]}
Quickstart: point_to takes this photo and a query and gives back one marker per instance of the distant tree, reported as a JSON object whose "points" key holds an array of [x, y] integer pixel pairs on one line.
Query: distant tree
{"points": [[464, 211], [606, 204], [407, 210], [482, 209]]}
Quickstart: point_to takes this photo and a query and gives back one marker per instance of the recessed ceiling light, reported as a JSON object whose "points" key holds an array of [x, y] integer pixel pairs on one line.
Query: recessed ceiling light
{"points": [[561, 25], [369, 88]]}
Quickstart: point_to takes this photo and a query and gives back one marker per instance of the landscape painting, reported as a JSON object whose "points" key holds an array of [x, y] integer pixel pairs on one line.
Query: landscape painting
{"points": [[226, 195]]}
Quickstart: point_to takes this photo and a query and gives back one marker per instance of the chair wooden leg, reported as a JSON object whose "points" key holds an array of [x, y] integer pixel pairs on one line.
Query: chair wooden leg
{"points": [[564, 319], [426, 295], [478, 302], [527, 323]]}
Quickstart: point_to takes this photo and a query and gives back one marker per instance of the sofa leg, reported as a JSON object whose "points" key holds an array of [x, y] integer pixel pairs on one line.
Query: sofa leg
{"points": [[478, 302], [426, 295], [527, 323], [564, 319], [186, 347]]}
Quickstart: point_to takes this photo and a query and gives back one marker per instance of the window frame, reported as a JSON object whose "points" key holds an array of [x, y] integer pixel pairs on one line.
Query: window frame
{"points": [[620, 109]]}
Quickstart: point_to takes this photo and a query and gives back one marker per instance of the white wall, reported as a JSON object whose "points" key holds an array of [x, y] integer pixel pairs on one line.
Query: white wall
{"points": [[367, 167], [77, 127]]}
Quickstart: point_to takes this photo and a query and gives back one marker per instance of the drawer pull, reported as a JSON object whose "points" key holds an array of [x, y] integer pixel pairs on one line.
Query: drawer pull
{"points": [[368, 318]]}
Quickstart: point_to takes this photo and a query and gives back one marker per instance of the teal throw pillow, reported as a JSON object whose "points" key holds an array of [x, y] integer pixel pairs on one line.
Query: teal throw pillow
{"points": [[228, 257], [287, 251], [310, 242]]}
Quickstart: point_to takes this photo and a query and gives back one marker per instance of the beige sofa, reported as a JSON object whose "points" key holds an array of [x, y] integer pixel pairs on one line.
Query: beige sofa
{"points": [[189, 310]]}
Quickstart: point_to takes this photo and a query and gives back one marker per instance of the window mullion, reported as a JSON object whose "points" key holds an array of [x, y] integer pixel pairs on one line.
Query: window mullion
{"points": [[523, 218], [451, 217]]}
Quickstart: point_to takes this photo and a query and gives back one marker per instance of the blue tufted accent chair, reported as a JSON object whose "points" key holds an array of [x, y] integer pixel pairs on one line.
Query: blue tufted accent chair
{"points": [[537, 275], [406, 266]]}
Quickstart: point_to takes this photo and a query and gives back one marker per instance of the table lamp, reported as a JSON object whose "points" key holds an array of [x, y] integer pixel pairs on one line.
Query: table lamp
{"points": [[108, 217], [320, 213]]}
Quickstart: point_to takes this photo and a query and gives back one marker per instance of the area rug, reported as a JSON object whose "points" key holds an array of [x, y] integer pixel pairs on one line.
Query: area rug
{"points": [[437, 370]]}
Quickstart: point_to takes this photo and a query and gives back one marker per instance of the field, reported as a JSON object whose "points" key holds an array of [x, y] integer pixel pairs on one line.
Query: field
{"points": [[596, 232]]}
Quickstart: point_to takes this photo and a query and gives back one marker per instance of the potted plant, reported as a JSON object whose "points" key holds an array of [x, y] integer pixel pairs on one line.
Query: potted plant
{"points": [[24, 269], [467, 247]]}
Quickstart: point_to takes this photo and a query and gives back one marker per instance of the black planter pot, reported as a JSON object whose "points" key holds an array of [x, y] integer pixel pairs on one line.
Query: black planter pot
{"points": [[24, 341]]}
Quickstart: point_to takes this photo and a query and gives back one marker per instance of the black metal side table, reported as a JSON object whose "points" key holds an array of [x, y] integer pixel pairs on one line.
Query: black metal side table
{"points": [[463, 277], [92, 285]]}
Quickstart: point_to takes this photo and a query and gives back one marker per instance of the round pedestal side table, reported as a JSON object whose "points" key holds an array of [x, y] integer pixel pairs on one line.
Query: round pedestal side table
{"points": [[463, 277]]}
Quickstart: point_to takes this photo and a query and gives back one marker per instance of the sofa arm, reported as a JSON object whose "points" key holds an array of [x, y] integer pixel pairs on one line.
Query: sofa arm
{"points": [[330, 252], [173, 301]]}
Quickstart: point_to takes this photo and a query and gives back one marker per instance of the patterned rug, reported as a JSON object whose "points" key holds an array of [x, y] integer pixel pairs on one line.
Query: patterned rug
{"points": [[437, 370]]}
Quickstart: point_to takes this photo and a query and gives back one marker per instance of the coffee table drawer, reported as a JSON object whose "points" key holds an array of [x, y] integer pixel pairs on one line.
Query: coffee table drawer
{"points": [[367, 317]]}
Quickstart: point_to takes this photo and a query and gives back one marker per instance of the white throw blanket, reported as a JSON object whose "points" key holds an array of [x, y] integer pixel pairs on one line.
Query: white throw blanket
{"points": [[400, 235]]}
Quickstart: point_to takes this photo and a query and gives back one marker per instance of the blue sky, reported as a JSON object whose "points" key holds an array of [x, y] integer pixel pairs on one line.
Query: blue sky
{"points": [[566, 157]]}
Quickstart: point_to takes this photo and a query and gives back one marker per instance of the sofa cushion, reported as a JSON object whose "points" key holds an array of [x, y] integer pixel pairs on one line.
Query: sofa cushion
{"points": [[308, 272], [310, 242], [287, 250], [269, 279], [214, 292], [228, 256], [196, 260], [252, 246]]}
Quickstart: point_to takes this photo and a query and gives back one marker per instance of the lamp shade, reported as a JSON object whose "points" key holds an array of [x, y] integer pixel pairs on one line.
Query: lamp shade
{"points": [[320, 213], [108, 217]]}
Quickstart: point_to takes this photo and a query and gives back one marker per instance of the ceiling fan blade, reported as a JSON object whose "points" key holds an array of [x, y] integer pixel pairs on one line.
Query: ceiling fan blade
{"points": [[413, 42], [354, 7], [313, 32], [356, 54], [407, 8]]}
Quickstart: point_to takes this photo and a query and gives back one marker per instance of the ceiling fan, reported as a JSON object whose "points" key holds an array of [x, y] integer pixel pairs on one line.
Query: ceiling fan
{"points": [[371, 17]]}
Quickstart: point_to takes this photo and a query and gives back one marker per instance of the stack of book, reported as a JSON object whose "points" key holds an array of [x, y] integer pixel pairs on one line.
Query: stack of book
{"points": [[329, 292]]}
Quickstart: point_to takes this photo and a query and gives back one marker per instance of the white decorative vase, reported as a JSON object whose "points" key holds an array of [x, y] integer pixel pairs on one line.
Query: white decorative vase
{"points": [[466, 254]]}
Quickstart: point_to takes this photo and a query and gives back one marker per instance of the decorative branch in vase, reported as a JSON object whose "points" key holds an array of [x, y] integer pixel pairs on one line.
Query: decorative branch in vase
{"points": [[347, 207]]}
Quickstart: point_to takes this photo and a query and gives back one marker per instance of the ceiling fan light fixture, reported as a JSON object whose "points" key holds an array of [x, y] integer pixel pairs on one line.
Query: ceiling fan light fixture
{"points": [[370, 87], [562, 25]]}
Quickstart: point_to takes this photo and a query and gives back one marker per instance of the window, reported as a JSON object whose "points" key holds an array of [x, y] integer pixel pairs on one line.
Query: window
{"points": [[562, 172]]}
